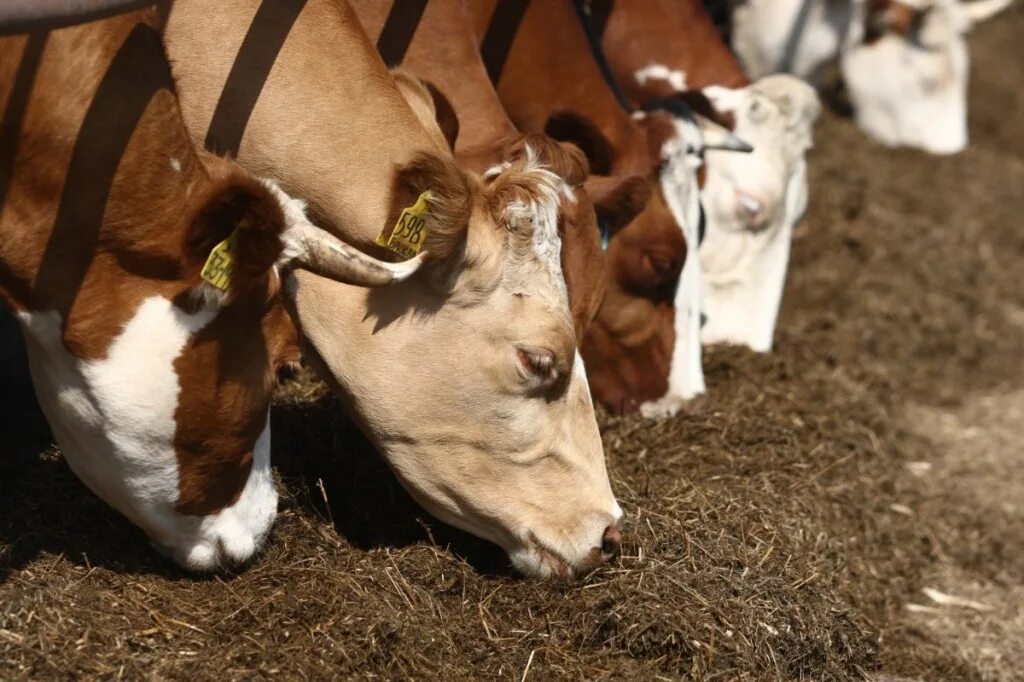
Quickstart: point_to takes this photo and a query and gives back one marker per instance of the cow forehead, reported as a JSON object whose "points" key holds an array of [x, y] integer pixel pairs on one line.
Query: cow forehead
{"points": [[534, 208]]}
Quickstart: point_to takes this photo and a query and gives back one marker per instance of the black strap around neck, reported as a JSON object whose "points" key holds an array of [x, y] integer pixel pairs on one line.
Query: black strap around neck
{"points": [[585, 11]]}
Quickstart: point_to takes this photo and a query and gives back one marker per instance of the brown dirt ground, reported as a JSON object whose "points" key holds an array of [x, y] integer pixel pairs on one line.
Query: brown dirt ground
{"points": [[786, 529]]}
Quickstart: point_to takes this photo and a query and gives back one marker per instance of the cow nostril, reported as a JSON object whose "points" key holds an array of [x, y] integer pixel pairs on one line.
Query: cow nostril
{"points": [[752, 206], [611, 541]]}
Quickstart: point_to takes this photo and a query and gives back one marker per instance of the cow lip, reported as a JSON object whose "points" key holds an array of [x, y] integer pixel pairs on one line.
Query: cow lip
{"points": [[561, 567]]}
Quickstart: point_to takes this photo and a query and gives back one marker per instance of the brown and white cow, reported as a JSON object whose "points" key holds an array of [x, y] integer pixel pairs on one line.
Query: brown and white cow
{"points": [[643, 350], [904, 62], [466, 378], [156, 381], [660, 48]]}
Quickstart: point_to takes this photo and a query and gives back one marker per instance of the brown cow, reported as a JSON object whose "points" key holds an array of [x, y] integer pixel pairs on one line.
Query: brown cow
{"points": [[643, 350], [467, 379], [660, 48], [145, 278]]}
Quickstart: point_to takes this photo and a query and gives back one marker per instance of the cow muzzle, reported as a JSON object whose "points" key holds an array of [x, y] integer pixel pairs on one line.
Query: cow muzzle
{"points": [[567, 559]]}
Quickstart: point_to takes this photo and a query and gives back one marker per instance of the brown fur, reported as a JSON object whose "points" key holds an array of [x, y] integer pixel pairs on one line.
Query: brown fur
{"points": [[890, 17], [618, 200], [676, 33]]}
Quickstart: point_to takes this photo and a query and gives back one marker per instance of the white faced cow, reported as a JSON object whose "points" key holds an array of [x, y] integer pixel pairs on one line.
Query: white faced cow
{"points": [[904, 62]]}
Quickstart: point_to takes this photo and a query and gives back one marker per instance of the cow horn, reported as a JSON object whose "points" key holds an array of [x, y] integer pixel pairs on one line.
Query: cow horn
{"points": [[320, 252], [717, 136], [980, 10]]}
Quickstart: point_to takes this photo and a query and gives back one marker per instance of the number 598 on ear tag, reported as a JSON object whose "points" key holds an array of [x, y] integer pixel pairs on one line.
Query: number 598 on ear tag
{"points": [[410, 232]]}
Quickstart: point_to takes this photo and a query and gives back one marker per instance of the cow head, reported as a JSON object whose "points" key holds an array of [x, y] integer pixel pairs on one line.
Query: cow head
{"points": [[642, 352], [467, 377], [229, 341], [159, 393], [907, 76], [752, 202]]}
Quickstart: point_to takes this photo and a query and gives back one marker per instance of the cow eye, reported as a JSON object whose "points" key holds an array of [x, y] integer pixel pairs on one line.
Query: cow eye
{"points": [[758, 111], [661, 267], [538, 366]]}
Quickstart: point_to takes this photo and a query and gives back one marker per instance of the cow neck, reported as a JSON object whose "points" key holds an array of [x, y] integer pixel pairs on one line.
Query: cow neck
{"points": [[411, 39], [303, 62], [95, 177], [582, 8], [680, 38]]}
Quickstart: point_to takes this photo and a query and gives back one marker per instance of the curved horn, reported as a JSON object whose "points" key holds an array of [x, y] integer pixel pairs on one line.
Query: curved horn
{"points": [[719, 137], [320, 252], [980, 10]]}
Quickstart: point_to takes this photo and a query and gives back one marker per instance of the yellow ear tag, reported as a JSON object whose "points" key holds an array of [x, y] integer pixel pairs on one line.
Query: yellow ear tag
{"points": [[221, 263], [410, 232]]}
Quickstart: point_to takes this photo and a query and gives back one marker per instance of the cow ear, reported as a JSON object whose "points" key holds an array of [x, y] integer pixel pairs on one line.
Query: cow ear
{"points": [[430, 105], [240, 215], [448, 192], [617, 199], [566, 126]]}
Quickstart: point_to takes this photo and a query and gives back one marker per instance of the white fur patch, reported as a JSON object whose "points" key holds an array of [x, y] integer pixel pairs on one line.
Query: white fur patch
{"points": [[176, 165], [114, 421], [675, 79], [542, 211], [679, 185]]}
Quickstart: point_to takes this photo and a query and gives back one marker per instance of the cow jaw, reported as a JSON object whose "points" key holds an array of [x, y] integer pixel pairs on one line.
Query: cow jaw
{"points": [[753, 202]]}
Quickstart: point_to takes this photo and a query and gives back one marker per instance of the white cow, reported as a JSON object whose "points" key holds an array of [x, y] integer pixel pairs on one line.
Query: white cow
{"points": [[753, 201], [904, 62]]}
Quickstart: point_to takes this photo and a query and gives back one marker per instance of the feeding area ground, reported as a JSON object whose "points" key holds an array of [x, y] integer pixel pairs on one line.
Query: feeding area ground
{"points": [[850, 506]]}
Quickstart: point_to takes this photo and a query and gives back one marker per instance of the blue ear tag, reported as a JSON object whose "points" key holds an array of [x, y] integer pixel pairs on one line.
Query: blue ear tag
{"points": [[602, 225]]}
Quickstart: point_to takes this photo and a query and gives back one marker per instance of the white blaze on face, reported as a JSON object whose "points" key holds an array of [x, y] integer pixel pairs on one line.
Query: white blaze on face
{"points": [[659, 72], [114, 420], [678, 179], [753, 201], [912, 91]]}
